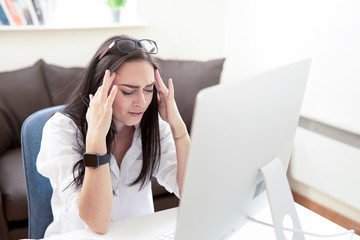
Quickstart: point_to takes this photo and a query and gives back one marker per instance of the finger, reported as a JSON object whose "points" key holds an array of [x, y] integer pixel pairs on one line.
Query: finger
{"points": [[157, 77], [171, 88], [158, 98], [112, 96], [103, 90], [159, 83], [107, 80]]}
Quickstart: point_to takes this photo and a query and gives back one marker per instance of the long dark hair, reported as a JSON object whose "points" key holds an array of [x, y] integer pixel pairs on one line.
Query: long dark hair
{"points": [[90, 80]]}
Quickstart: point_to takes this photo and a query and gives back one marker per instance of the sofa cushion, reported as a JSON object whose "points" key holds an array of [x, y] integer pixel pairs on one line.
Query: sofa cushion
{"points": [[22, 92], [12, 185], [157, 189], [61, 82], [189, 77]]}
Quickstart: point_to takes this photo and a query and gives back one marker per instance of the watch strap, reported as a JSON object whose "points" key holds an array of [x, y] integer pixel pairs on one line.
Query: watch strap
{"points": [[104, 159]]}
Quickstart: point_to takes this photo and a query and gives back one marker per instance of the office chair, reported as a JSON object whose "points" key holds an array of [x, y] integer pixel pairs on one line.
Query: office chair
{"points": [[38, 187]]}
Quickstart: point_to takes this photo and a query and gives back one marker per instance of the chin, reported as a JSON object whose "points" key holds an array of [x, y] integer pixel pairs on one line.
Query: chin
{"points": [[132, 122], [127, 120]]}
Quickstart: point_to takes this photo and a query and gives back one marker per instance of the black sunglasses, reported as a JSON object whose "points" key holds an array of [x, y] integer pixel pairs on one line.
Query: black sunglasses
{"points": [[127, 45]]}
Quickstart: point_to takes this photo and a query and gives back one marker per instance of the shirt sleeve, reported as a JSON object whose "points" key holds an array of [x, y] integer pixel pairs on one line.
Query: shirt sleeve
{"points": [[167, 172], [59, 152]]}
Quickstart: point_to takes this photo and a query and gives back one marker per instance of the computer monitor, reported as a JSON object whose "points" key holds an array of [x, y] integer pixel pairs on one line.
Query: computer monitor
{"points": [[238, 128]]}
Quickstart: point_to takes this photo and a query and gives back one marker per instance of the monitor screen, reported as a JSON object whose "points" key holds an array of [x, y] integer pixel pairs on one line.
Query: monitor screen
{"points": [[238, 128]]}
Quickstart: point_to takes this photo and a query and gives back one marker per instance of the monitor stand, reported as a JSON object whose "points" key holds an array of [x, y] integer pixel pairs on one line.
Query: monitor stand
{"points": [[280, 199]]}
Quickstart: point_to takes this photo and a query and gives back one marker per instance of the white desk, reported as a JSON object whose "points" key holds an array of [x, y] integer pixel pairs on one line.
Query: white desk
{"points": [[149, 226]]}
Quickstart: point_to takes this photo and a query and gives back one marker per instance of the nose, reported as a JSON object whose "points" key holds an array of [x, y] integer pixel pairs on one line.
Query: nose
{"points": [[140, 100]]}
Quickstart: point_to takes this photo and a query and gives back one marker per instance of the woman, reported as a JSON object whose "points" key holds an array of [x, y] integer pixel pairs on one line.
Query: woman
{"points": [[102, 149]]}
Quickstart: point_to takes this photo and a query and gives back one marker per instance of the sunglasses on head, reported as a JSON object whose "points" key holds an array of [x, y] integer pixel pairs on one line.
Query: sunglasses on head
{"points": [[127, 45]]}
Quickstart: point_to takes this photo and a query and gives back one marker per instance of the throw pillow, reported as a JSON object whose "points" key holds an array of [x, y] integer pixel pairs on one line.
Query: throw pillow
{"points": [[61, 81], [22, 92]]}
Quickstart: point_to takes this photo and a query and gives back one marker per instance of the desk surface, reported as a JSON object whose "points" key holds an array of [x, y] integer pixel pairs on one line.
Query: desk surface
{"points": [[150, 226]]}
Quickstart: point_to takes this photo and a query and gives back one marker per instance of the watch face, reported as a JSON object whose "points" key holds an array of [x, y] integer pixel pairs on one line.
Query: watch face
{"points": [[91, 160]]}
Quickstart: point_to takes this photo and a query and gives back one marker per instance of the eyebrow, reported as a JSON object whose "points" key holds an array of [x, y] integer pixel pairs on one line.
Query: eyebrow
{"points": [[134, 86]]}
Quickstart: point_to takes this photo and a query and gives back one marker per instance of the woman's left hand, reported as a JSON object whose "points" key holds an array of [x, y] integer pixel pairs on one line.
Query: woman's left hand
{"points": [[170, 113], [167, 106]]}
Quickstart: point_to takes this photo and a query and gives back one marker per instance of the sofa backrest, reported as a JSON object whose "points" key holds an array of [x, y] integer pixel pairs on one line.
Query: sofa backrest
{"points": [[27, 90], [42, 85]]}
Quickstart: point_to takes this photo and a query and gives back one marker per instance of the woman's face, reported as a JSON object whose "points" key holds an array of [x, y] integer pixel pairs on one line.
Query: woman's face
{"points": [[135, 82]]}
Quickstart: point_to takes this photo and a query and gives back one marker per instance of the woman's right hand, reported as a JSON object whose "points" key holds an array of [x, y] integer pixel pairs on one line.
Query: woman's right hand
{"points": [[99, 114], [96, 197]]}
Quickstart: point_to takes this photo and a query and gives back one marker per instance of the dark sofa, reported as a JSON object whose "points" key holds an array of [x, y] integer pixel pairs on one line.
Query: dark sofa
{"points": [[42, 85]]}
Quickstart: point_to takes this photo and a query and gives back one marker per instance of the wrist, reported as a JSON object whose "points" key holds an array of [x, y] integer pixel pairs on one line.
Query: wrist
{"points": [[179, 131], [180, 137], [95, 144]]}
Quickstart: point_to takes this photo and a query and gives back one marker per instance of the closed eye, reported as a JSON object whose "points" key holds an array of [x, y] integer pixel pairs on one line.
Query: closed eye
{"points": [[127, 93], [149, 90]]}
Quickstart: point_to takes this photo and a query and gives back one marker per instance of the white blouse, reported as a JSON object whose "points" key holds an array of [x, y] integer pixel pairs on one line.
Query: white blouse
{"points": [[60, 150]]}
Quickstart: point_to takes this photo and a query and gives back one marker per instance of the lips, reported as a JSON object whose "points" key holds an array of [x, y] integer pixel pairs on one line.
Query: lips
{"points": [[136, 114]]}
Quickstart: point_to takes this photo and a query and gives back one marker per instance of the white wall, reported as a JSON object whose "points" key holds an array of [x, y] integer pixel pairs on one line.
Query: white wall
{"points": [[183, 29], [326, 171], [186, 29], [263, 34]]}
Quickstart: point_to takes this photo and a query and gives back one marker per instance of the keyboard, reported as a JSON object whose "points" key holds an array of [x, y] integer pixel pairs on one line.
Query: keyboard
{"points": [[167, 235]]}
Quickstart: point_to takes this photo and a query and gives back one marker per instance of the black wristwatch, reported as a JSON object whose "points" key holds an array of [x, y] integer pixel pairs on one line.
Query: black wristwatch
{"points": [[94, 160]]}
